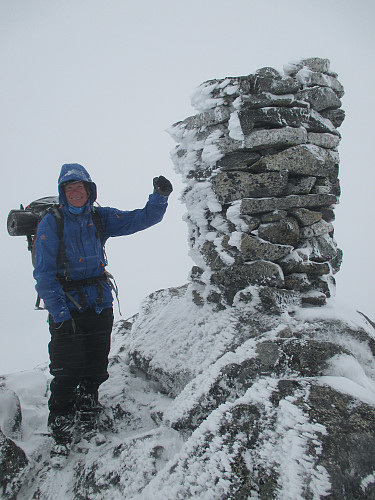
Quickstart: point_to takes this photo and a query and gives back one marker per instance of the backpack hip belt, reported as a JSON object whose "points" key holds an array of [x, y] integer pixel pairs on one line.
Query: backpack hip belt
{"points": [[69, 285]]}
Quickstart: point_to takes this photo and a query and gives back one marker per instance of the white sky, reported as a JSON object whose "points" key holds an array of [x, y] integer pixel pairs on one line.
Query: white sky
{"points": [[98, 82]]}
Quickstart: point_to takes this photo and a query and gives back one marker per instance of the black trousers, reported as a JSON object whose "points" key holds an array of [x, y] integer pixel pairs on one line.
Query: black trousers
{"points": [[78, 353]]}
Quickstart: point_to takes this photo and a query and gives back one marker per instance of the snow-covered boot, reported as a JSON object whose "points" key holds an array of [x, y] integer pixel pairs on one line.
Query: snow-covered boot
{"points": [[88, 415], [59, 454], [88, 402], [62, 429]]}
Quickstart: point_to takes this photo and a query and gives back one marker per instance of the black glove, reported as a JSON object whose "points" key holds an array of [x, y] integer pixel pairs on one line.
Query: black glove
{"points": [[162, 186]]}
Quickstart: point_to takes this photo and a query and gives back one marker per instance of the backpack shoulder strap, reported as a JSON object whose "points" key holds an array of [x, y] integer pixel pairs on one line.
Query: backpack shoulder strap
{"points": [[98, 224], [61, 254], [57, 214], [59, 218]]}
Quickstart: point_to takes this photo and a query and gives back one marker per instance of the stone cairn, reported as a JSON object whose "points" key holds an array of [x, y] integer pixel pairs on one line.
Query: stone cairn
{"points": [[260, 164]]}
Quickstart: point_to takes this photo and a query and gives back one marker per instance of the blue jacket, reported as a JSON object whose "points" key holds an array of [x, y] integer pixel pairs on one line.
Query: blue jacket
{"points": [[84, 250]]}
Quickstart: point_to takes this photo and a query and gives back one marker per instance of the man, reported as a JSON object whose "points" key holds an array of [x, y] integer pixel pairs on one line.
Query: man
{"points": [[71, 280]]}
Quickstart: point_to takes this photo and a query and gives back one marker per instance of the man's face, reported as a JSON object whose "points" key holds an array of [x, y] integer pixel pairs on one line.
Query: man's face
{"points": [[76, 194]]}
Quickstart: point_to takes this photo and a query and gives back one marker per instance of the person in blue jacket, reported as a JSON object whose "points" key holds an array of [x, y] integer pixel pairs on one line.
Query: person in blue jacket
{"points": [[71, 280]]}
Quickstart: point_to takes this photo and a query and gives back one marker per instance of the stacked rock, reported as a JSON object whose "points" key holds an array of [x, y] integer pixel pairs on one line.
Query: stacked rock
{"points": [[260, 163]]}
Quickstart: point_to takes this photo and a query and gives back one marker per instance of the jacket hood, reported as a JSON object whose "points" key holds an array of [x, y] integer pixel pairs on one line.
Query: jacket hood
{"points": [[75, 172]]}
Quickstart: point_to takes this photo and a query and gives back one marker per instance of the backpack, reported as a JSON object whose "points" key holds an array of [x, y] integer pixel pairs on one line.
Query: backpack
{"points": [[25, 221]]}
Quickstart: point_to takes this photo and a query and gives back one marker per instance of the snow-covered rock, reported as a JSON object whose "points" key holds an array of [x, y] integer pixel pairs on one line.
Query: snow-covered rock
{"points": [[216, 404], [272, 148], [13, 467]]}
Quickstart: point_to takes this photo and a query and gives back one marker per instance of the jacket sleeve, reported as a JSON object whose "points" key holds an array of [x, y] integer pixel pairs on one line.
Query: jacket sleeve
{"points": [[120, 223], [48, 288]]}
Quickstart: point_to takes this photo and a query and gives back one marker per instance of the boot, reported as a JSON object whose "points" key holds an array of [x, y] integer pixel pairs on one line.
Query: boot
{"points": [[59, 455], [62, 429], [89, 411], [88, 402]]}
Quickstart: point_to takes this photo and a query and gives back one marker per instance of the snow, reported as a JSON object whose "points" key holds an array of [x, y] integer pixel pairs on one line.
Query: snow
{"points": [[31, 389], [231, 89], [238, 103], [335, 310], [202, 99], [345, 374], [234, 125], [370, 479], [196, 347], [211, 154], [347, 386], [199, 199], [201, 384], [224, 83], [235, 239], [9, 405], [234, 215], [288, 448], [147, 458], [304, 76]]}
